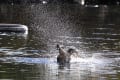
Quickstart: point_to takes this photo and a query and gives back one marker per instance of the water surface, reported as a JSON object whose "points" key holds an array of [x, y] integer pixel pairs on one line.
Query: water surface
{"points": [[92, 31]]}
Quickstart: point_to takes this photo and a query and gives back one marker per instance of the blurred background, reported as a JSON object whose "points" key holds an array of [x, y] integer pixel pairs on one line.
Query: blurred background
{"points": [[91, 27]]}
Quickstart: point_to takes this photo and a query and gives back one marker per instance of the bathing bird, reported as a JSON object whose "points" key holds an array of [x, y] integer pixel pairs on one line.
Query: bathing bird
{"points": [[64, 56]]}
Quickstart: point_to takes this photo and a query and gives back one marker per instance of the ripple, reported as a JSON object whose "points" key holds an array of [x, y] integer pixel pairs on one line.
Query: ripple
{"points": [[69, 37], [110, 34], [28, 60], [101, 28], [108, 39]]}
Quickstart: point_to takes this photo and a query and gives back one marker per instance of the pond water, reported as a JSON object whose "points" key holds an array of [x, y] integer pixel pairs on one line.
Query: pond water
{"points": [[94, 31]]}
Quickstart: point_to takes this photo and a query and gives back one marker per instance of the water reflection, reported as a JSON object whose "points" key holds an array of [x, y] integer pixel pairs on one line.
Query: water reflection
{"points": [[93, 31], [11, 41], [83, 70]]}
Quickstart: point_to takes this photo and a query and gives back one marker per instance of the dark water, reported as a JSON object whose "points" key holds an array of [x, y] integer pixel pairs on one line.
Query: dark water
{"points": [[93, 31]]}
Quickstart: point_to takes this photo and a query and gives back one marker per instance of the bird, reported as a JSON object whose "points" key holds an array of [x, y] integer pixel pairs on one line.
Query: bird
{"points": [[64, 56]]}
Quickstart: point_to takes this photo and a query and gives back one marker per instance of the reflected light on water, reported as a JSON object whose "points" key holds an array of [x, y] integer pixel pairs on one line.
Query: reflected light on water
{"points": [[82, 2], [93, 31]]}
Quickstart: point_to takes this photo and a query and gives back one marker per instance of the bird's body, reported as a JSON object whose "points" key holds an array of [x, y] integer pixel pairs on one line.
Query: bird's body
{"points": [[64, 56]]}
